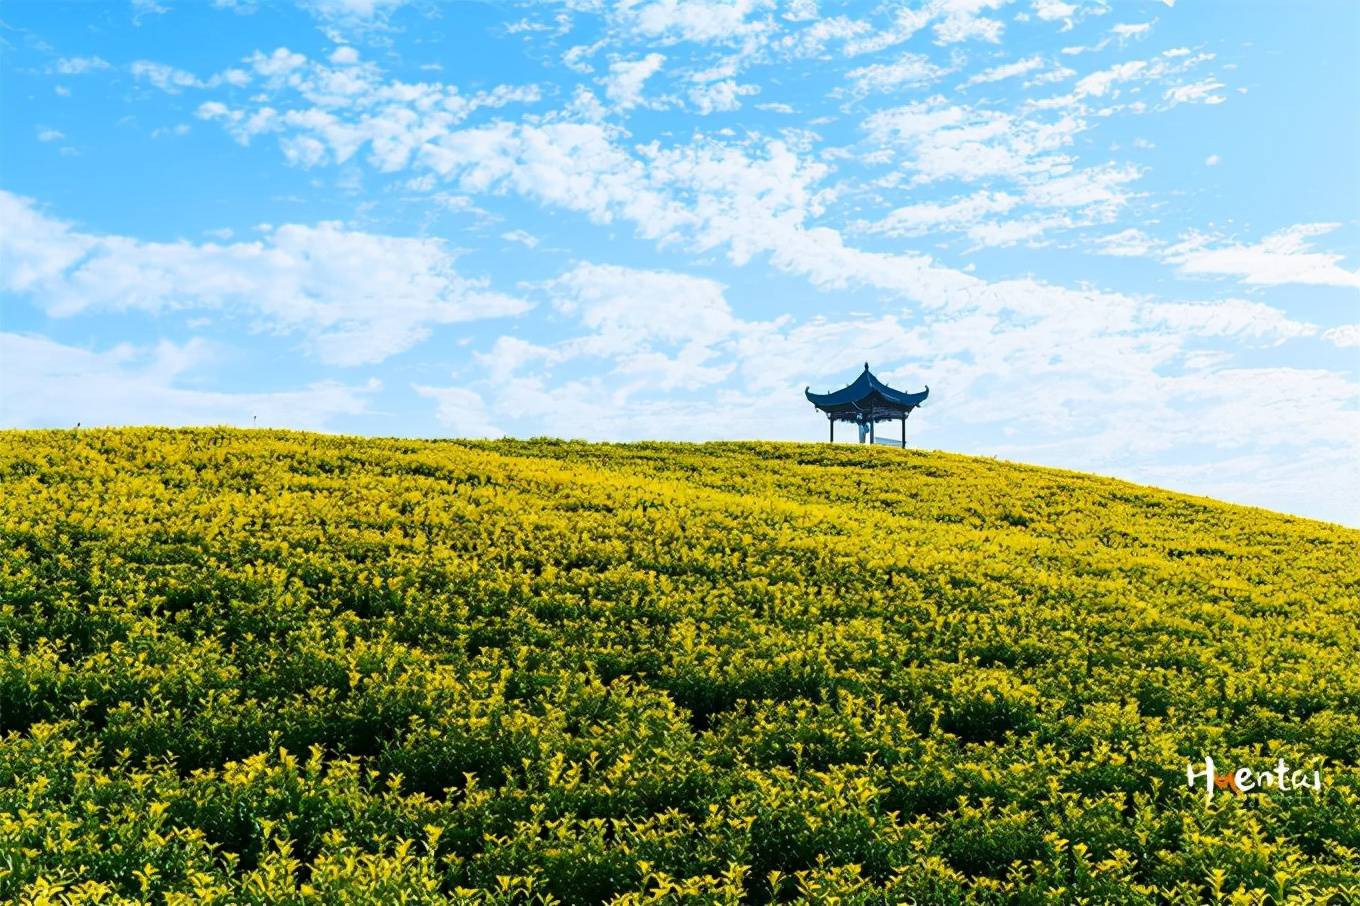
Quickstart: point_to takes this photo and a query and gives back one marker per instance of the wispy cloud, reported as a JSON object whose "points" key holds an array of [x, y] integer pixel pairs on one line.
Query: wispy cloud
{"points": [[910, 69], [80, 65], [1283, 257], [1005, 71]]}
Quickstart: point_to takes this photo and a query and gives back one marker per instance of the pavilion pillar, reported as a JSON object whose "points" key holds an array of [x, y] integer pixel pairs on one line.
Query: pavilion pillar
{"points": [[904, 432], [832, 423], [871, 426]]}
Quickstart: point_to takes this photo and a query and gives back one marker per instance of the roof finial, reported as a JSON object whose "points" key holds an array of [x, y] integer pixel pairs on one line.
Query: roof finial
{"points": [[866, 366]]}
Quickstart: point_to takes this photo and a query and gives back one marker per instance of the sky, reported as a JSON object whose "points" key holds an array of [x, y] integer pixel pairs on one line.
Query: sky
{"points": [[1118, 237]]}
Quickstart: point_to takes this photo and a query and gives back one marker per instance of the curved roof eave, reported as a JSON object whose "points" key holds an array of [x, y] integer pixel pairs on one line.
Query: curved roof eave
{"points": [[862, 388]]}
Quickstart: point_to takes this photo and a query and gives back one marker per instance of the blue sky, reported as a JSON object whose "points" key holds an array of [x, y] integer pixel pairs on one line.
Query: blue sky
{"points": [[1118, 237]]}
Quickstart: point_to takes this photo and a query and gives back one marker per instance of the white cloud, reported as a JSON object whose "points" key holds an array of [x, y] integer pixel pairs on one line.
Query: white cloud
{"points": [[910, 69], [49, 384], [999, 234], [571, 165], [1081, 49], [302, 150], [1135, 74], [960, 20], [400, 129], [921, 218], [661, 327], [1346, 336], [1005, 71], [166, 78], [47, 134], [1052, 10], [344, 55], [1099, 190], [1126, 31], [699, 21], [342, 110], [574, 58], [1120, 88], [461, 410], [1098, 84], [1213, 160], [355, 14], [510, 354], [283, 61], [357, 297], [934, 141], [1261, 479], [147, 8], [1128, 243], [717, 97], [623, 87], [1286, 399], [1201, 92], [1079, 198], [1283, 257], [630, 303], [522, 237], [172, 80], [80, 65], [1228, 317], [813, 40], [1056, 74]]}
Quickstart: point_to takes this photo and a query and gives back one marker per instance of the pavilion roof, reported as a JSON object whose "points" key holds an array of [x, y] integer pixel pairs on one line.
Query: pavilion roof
{"points": [[866, 394]]}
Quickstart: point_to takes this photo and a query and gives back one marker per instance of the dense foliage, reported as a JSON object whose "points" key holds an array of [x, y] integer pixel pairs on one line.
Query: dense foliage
{"points": [[256, 667]]}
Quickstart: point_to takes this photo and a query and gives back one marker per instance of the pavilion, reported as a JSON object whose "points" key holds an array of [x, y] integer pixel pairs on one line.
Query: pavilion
{"points": [[865, 402]]}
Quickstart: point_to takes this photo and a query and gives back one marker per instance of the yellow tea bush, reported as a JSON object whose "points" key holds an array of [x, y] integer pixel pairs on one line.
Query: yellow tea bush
{"points": [[272, 667]]}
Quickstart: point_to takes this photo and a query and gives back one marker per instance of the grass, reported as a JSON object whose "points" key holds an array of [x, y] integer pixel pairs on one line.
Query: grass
{"points": [[259, 666]]}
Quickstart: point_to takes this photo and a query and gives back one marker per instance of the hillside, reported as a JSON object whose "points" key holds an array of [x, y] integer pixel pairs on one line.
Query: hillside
{"points": [[278, 667]]}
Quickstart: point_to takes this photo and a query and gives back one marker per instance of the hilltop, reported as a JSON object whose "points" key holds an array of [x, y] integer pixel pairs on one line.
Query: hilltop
{"points": [[261, 666]]}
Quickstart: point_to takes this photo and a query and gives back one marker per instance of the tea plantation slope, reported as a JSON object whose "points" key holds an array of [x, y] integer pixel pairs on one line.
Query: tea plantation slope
{"points": [[259, 667]]}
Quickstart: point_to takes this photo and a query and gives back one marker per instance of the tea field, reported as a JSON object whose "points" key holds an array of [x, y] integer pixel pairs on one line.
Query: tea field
{"points": [[275, 667]]}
